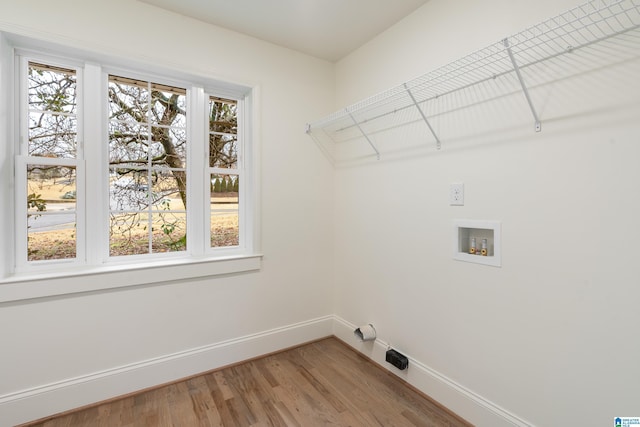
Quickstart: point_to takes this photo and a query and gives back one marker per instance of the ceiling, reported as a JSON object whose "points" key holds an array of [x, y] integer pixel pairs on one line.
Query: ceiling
{"points": [[327, 29]]}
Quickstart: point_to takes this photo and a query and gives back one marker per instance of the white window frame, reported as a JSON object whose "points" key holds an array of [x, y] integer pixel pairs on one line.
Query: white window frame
{"points": [[93, 269], [239, 171], [22, 159]]}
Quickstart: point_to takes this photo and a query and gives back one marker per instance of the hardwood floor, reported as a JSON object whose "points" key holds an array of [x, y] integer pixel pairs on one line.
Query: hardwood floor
{"points": [[324, 383]]}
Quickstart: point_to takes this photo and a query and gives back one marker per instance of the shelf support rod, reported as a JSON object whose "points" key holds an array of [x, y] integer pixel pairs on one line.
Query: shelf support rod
{"points": [[537, 125], [424, 117], [355, 122]]}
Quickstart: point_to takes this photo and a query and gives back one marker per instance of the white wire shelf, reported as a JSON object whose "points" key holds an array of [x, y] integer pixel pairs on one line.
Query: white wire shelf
{"points": [[592, 35]]}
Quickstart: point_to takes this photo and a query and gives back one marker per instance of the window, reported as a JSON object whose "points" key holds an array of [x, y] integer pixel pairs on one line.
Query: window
{"points": [[224, 172], [117, 167], [147, 167], [51, 164]]}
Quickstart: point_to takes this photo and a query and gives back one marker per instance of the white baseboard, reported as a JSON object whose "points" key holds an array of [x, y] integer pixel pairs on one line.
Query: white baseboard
{"points": [[42, 401], [48, 399], [464, 402]]}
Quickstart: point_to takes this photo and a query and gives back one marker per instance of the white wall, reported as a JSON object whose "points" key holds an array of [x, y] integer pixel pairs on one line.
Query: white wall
{"points": [[551, 337], [54, 344]]}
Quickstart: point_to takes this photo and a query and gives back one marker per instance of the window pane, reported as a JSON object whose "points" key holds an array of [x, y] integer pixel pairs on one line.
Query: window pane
{"points": [[169, 147], [168, 190], [51, 212], [56, 241], [128, 143], [52, 89], [169, 232], [129, 234], [223, 151], [51, 188], [128, 100], [52, 135], [223, 115], [53, 125], [224, 210], [128, 190], [168, 107], [223, 130]]}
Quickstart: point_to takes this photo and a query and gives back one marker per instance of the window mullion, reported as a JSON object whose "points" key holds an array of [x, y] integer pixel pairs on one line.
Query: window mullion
{"points": [[23, 132], [197, 191], [95, 209], [248, 164], [20, 171], [243, 193], [21, 231], [149, 209]]}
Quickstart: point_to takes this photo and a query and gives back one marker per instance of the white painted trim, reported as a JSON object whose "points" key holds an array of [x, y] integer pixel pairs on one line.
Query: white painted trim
{"points": [[30, 38], [459, 399], [92, 279], [97, 271], [47, 399]]}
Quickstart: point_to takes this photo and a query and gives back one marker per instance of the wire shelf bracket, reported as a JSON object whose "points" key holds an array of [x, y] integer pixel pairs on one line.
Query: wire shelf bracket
{"points": [[355, 122], [424, 117], [537, 126]]}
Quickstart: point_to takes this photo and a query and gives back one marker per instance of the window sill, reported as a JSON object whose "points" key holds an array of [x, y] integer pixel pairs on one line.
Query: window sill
{"points": [[33, 286]]}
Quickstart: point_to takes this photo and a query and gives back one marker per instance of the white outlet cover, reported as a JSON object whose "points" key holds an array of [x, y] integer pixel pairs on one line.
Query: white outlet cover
{"points": [[456, 194]]}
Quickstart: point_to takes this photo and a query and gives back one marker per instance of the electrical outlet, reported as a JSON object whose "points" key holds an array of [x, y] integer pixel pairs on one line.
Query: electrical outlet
{"points": [[456, 194], [397, 359]]}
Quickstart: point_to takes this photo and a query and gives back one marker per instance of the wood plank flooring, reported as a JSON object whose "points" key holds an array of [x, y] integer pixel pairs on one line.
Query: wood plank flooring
{"points": [[324, 383]]}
